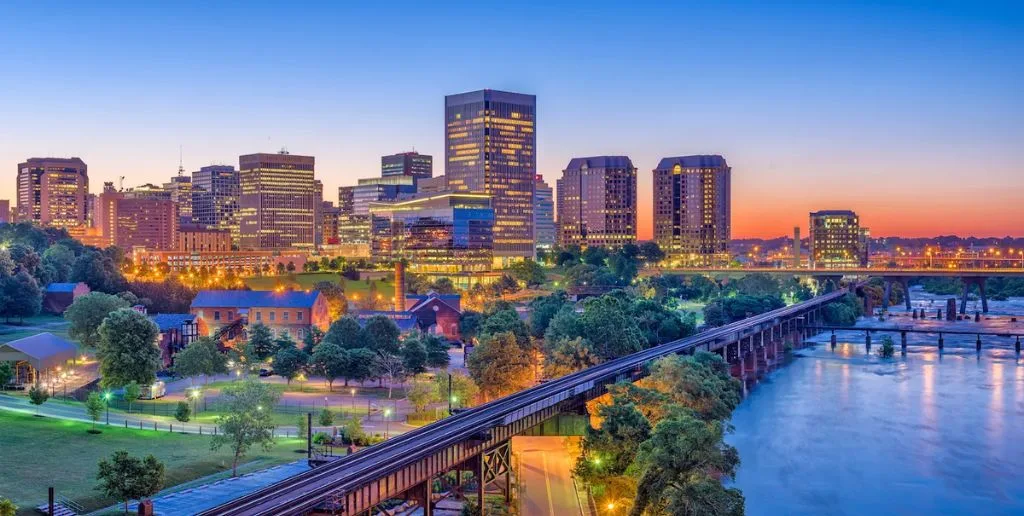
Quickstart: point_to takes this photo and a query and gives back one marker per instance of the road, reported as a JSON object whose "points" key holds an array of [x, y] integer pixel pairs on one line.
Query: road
{"points": [[546, 469]]}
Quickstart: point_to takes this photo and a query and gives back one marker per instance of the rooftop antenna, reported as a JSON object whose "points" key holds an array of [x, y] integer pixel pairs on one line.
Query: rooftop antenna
{"points": [[181, 169], [284, 150], [120, 184]]}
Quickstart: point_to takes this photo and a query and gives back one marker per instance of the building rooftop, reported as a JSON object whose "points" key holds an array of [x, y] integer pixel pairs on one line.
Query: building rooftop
{"points": [[61, 287], [698, 161], [171, 321], [250, 298], [600, 162], [825, 213], [404, 320], [42, 350]]}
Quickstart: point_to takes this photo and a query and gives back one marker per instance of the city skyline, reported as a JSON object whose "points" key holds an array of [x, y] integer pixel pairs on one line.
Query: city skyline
{"points": [[905, 108]]}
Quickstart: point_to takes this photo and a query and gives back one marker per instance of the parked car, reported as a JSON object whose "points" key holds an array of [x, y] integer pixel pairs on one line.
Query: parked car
{"points": [[265, 372]]}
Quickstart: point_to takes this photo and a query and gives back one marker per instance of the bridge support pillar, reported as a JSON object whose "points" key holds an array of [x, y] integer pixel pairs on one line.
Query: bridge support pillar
{"points": [[1016, 345], [905, 282], [424, 497], [887, 295], [963, 300], [940, 342], [984, 297], [977, 343], [867, 340], [903, 342], [832, 340]]}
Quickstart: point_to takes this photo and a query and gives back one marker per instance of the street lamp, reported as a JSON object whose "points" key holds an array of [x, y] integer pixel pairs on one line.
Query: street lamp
{"points": [[352, 397], [325, 403], [387, 422], [106, 399], [194, 395]]}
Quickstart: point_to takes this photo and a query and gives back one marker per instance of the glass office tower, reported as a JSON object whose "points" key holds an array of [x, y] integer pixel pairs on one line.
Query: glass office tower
{"points": [[490, 148], [692, 212], [278, 205]]}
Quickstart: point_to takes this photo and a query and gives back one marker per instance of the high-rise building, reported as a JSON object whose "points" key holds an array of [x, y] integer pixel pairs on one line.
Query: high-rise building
{"points": [[692, 213], [543, 214], [446, 233], [413, 164], [597, 202], [837, 240], [137, 221], [346, 199], [148, 191], [277, 207], [490, 148], [432, 185], [329, 222], [180, 188], [376, 189], [52, 191], [201, 239], [215, 193], [5, 211], [318, 213]]}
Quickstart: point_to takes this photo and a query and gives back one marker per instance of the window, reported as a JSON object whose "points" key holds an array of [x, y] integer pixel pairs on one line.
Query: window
{"points": [[216, 315], [272, 316], [230, 315], [299, 333], [284, 316], [298, 316], [259, 316]]}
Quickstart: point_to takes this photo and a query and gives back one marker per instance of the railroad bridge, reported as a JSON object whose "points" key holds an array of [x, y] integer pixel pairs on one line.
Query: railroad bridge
{"points": [[477, 439]]}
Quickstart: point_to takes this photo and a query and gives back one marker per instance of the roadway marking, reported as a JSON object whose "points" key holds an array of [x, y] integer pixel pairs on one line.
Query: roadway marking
{"points": [[547, 482]]}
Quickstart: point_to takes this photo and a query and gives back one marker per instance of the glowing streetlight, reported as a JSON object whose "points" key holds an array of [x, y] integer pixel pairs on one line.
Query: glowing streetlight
{"points": [[106, 399], [387, 422]]}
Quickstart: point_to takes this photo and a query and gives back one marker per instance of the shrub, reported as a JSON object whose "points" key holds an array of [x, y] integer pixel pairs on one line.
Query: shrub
{"points": [[321, 438], [184, 412], [888, 349], [326, 417]]}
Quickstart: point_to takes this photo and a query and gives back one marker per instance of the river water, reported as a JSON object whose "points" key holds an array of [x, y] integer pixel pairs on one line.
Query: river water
{"points": [[845, 432]]}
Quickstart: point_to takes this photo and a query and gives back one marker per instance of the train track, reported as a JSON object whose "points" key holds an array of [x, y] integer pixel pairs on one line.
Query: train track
{"points": [[304, 492]]}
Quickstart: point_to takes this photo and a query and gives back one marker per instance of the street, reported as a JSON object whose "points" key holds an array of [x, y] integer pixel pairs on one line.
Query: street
{"points": [[546, 469]]}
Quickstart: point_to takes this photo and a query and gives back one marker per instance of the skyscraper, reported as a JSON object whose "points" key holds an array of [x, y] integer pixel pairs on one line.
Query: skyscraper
{"points": [[346, 199], [692, 209], [278, 205], [413, 164], [215, 193], [52, 191], [837, 240], [180, 187], [543, 214], [597, 202], [127, 221], [490, 148]]}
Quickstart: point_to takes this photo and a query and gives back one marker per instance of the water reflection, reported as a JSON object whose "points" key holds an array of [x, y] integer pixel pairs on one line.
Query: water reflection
{"points": [[845, 432]]}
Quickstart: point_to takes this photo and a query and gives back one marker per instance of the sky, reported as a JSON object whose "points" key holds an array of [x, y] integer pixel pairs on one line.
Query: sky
{"points": [[910, 113]]}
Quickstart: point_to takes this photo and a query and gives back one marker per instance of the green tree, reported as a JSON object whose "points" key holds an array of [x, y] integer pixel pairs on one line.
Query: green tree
{"points": [[463, 389], [700, 382], [420, 393], [437, 350], [414, 356], [650, 252], [128, 478], [469, 324], [127, 349], [608, 451], [543, 309], [567, 356], [346, 333], [499, 366], [311, 339], [86, 314], [381, 335], [443, 286], [6, 374], [23, 296], [326, 417], [302, 423], [201, 357], [289, 362], [334, 294], [360, 365], [37, 395], [183, 412], [506, 321], [7, 507], [888, 349], [260, 345], [658, 324], [529, 272], [131, 393], [682, 466], [247, 421], [606, 323], [94, 406], [331, 361]]}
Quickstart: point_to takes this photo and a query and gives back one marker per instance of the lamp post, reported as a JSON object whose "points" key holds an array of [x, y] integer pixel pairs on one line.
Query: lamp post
{"points": [[106, 399], [352, 398], [194, 395], [450, 397], [387, 422]]}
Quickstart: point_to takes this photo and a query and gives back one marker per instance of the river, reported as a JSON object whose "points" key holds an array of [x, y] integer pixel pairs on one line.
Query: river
{"points": [[845, 432]]}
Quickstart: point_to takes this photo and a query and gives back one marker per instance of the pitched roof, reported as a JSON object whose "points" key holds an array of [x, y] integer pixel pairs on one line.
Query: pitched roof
{"points": [[43, 350], [404, 320], [600, 162], [452, 300], [171, 321], [61, 287], [699, 161], [251, 298]]}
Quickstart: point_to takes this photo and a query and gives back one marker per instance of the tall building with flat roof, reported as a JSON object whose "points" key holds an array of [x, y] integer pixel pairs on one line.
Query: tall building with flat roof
{"points": [[128, 222], [692, 212], [412, 164], [215, 194], [52, 191], [376, 189], [837, 240], [346, 199], [543, 214], [278, 202], [490, 148], [597, 202], [180, 187]]}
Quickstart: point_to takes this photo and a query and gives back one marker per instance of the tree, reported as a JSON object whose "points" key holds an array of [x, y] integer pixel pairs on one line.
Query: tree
{"points": [[529, 272], [183, 412], [469, 324], [247, 421], [289, 362], [463, 389], [127, 349], [420, 394], [700, 382], [391, 368], [506, 321], [7, 507], [86, 314], [331, 361], [334, 294], [381, 335], [567, 356], [312, 338], [414, 356], [443, 286], [94, 406], [437, 350], [201, 357], [6, 374], [302, 423], [609, 450], [260, 345], [24, 298], [360, 366], [594, 255], [543, 309], [682, 466], [128, 478], [606, 323], [326, 417], [131, 393], [345, 332], [888, 349], [499, 366], [99, 270], [37, 395], [650, 252]]}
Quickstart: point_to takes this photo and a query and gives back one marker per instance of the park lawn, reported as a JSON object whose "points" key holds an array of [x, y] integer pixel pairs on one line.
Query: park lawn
{"points": [[33, 325], [694, 306], [42, 452], [306, 280]]}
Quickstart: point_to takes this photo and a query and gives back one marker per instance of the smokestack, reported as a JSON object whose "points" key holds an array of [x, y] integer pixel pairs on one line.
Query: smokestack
{"points": [[400, 285], [796, 247]]}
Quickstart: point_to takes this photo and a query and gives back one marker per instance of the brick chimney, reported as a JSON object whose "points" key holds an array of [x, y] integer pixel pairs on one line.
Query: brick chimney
{"points": [[400, 286]]}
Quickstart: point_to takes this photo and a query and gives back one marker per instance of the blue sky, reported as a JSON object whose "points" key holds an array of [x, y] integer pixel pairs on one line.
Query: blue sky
{"points": [[911, 113]]}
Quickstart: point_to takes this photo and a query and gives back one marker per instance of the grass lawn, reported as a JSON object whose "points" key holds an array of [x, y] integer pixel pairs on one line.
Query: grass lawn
{"points": [[306, 280], [696, 307], [42, 452], [33, 325]]}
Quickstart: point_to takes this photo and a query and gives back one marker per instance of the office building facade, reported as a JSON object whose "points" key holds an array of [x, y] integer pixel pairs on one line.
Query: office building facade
{"points": [[52, 191], [180, 188], [215, 194], [413, 164], [278, 202], [692, 211], [490, 148], [377, 189], [544, 229], [837, 240], [128, 222], [597, 202]]}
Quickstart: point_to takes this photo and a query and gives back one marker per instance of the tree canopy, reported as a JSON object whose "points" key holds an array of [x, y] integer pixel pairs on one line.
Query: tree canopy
{"points": [[87, 313], [127, 349]]}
